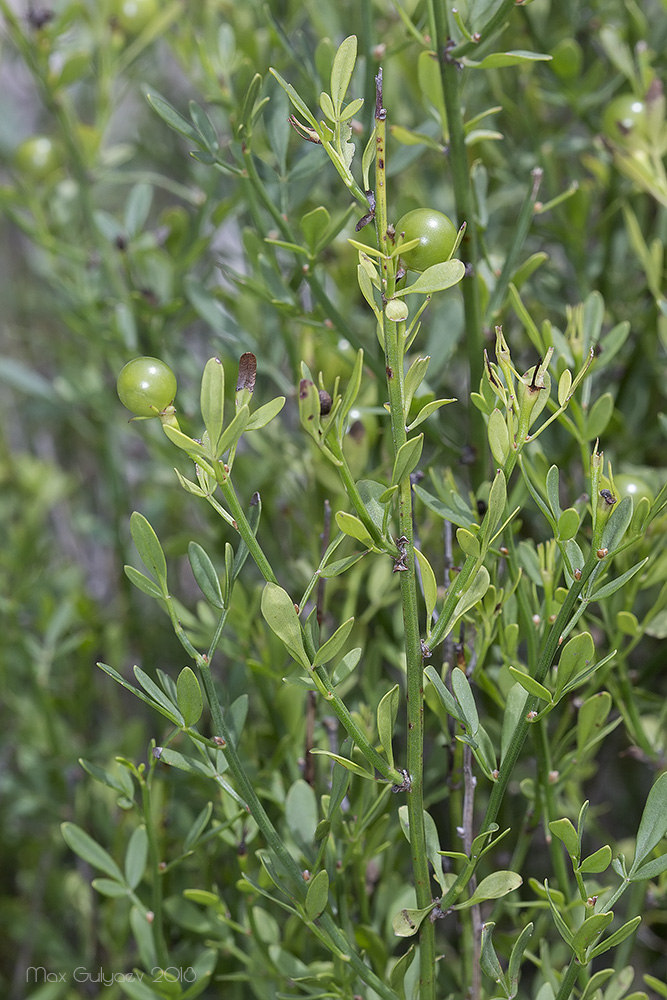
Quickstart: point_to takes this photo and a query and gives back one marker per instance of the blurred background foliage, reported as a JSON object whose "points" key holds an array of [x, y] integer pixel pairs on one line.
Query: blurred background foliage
{"points": [[115, 242]]}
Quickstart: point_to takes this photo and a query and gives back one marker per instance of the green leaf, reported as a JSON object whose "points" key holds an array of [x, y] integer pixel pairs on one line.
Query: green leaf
{"points": [[568, 524], [449, 703], [90, 851], [236, 716], [407, 921], [317, 897], [495, 507], [591, 718], [342, 69], [175, 120], [610, 588], [349, 765], [564, 386], [498, 60], [371, 492], [565, 831], [651, 869], [441, 509], [313, 225], [655, 984], [553, 491], [353, 384], [170, 713], [576, 655], [413, 379], [327, 107], [366, 288], [301, 813], [597, 862], [516, 957], [464, 696], [589, 932], [387, 711], [341, 565], [158, 696], [435, 279], [352, 526], [196, 451], [143, 583], [653, 824], [136, 856], [345, 667], [122, 782], [399, 971], [212, 400], [407, 457], [205, 575], [334, 644], [599, 416], [615, 939], [498, 436], [189, 696], [198, 826], [281, 617], [149, 549], [265, 414], [430, 83], [492, 887], [530, 685], [294, 97], [489, 963], [561, 926], [617, 524], [113, 890], [429, 585], [191, 765], [468, 543], [427, 410], [233, 431], [474, 593]]}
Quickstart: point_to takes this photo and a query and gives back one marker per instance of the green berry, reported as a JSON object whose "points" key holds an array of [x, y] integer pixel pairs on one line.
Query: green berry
{"points": [[146, 386], [436, 234]]}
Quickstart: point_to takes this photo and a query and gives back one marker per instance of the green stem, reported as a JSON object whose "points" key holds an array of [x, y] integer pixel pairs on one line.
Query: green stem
{"points": [[394, 341], [569, 980], [244, 529], [353, 494], [463, 196], [161, 952]]}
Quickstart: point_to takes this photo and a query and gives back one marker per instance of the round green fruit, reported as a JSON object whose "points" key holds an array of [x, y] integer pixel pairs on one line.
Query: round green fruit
{"points": [[436, 234], [132, 16], [146, 386], [628, 485], [37, 157], [624, 119]]}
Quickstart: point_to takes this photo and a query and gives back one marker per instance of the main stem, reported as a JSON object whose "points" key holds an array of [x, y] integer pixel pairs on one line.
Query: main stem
{"points": [[394, 340]]}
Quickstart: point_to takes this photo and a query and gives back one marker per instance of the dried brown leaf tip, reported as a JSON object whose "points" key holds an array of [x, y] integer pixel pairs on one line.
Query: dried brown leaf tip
{"points": [[247, 372]]}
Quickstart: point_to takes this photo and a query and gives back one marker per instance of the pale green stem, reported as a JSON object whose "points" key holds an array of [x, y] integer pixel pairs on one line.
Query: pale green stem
{"points": [[394, 341], [569, 980]]}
